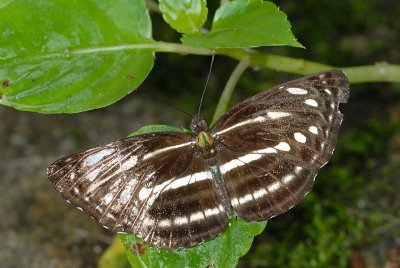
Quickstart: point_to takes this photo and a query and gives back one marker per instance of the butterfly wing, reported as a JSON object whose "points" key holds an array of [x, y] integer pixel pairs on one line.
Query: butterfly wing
{"points": [[271, 146], [154, 185]]}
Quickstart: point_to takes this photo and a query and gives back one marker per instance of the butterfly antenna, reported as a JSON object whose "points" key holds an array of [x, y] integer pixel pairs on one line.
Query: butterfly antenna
{"points": [[205, 86], [164, 103]]}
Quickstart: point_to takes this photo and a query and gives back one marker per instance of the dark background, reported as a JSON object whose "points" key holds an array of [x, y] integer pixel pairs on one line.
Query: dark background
{"points": [[350, 219]]}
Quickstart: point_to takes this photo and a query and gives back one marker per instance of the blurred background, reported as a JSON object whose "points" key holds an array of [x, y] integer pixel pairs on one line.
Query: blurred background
{"points": [[350, 219]]}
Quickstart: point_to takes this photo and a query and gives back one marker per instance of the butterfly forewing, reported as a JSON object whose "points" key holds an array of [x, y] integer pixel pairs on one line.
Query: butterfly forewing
{"points": [[176, 190], [271, 146], [154, 185]]}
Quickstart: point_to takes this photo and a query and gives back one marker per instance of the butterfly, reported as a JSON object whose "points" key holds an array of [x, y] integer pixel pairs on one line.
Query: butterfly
{"points": [[176, 189]]}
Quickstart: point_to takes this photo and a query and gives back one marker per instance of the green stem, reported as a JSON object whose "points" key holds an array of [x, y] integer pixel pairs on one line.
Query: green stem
{"points": [[155, 46], [379, 72], [228, 90]]}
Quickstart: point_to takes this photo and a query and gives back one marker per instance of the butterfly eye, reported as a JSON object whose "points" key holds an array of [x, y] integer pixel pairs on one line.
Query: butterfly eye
{"points": [[193, 126], [198, 124]]}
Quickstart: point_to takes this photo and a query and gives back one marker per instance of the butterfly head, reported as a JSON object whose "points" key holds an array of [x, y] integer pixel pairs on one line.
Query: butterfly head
{"points": [[204, 140], [198, 124]]}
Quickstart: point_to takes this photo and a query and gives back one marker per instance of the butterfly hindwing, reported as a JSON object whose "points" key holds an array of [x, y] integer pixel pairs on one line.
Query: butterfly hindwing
{"points": [[154, 185], [271, 146]]}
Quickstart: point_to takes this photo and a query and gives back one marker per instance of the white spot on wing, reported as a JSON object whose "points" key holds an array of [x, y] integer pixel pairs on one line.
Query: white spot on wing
{"points": [[300, 137], [240, 161], [111, 216], [245, 199], [234, 201], [148, 222], [283, 146], [97, 157], [150, 175], [298, 169], [183, 181], [276, 115], [98, 184], [126, 194], [296, 91], [99, 209], [273, 186], [311, 102], [197, 216], [328, 91], [267, 150], [107, 199], [260, 193], [129, 163], [288, 178], [174, 183], [245, 159], [181, 220], [313, 129], [258, 119], [164, 223], [165, 149], [144, 193], [211, 212], [93, 174]]}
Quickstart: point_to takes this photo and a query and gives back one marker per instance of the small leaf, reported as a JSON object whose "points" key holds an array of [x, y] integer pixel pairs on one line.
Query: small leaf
{"points": [[158, 128], [245, 23], [223, 251], [71, 56], [184, 16]]}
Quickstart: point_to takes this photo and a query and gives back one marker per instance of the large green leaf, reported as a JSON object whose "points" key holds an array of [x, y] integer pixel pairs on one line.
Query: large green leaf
{"points": [[223, 251], [71, 56], [245, 23], [184, 16]]}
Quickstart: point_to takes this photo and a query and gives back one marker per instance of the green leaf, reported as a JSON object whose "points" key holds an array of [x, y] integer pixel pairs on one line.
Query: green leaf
{"points": [[245, 23], [114, 256], [184, 16], [158, 128], [224, 251], [71, 56]]}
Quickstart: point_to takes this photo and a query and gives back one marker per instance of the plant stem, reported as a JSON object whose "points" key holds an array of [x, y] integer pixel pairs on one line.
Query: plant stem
{"points": [[379, 72], [228, 90]]}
